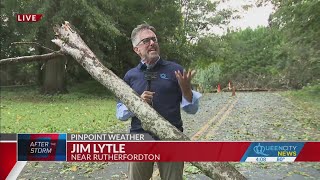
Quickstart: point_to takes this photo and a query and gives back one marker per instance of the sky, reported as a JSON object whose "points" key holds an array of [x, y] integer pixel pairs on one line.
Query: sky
{"points": [[254, 17]]}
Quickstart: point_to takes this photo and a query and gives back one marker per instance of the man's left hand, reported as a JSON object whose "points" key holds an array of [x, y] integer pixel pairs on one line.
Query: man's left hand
{"points": [[184, 80]]}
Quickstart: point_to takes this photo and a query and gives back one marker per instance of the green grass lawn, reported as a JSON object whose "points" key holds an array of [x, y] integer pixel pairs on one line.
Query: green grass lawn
{"points": [[87, 108], [309, 100], [309, 96]]}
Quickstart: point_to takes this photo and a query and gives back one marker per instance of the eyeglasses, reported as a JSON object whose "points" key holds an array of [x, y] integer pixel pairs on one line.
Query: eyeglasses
{"points": [[147, 40]]}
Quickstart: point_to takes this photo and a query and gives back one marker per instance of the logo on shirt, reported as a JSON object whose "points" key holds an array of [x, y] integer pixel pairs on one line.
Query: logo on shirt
{"points": [[163, 76]]}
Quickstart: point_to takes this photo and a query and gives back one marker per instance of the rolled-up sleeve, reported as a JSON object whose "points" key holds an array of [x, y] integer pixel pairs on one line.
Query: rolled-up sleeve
{"points": [[123, 112], [191, 107]]}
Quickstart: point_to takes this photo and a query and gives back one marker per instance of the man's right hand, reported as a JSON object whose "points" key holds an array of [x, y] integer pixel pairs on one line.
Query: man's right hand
{"points": [[147, 96]]}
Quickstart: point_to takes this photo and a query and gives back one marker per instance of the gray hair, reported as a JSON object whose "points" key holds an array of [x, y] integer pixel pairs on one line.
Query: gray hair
{"points": [[137, 30]]}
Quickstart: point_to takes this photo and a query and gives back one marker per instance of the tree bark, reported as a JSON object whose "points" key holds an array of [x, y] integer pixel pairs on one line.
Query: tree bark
{"points": [[72, 44], [54, 76]]}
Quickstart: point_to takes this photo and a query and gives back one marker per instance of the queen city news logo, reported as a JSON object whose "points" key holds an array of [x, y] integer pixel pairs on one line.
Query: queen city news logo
{"points": [[272, 151]]}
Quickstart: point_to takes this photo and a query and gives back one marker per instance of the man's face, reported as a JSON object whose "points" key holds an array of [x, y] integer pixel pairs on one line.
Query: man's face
{"points": [[148, 47]]}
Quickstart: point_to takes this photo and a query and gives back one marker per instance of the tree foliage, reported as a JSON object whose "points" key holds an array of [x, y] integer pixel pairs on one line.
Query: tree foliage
{"points": [[284, 54], [298, 23], [105, 26]]}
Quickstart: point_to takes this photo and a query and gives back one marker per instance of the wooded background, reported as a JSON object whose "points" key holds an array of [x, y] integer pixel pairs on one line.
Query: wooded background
{"points": [[285, 54]]}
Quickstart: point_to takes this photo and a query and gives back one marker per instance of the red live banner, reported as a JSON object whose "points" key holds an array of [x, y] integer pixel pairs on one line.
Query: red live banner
{"points": [[156, 151], [29, 17]]}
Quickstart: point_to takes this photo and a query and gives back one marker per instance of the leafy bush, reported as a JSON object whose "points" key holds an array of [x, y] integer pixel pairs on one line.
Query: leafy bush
{"points": [[207, 77]]}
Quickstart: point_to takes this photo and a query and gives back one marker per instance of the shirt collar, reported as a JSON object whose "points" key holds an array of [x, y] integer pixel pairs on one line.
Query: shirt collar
{"points": [[143, 66], [150, 66]]}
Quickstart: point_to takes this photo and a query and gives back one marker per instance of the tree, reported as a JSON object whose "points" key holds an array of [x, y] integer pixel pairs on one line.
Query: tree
{"points": [[298, 23], [84, 14]]}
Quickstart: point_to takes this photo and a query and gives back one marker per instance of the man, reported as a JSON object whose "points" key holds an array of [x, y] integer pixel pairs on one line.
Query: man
{"points": [[166, 87]]}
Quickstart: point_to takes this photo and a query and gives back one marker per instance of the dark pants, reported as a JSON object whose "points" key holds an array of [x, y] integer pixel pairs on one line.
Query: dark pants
{"points": [[144, 170]]}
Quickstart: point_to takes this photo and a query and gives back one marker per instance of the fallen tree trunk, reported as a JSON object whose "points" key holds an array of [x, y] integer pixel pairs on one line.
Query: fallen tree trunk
{"points": [[72, 44]]}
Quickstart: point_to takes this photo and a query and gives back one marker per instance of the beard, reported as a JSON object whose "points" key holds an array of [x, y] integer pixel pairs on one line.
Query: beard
{"points": [[151, 57]]}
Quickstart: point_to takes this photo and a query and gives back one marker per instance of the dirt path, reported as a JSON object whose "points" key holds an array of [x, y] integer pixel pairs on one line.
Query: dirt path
{"points": [[246, 117]]}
